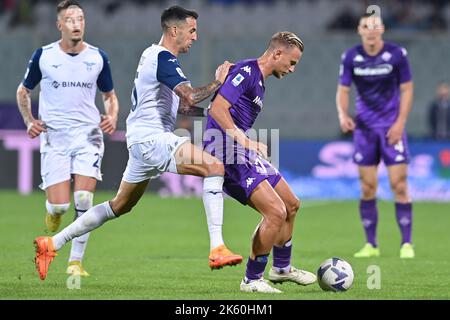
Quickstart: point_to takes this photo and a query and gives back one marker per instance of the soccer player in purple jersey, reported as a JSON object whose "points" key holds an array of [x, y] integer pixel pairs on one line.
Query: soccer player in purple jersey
{"points": [[249, 178], [384, 95]]}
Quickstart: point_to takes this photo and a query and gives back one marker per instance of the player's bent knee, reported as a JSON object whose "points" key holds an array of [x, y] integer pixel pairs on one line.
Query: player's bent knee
{"points": [[293, 207], [57, 209], [120, 207], [83, 199], [277, 216]]}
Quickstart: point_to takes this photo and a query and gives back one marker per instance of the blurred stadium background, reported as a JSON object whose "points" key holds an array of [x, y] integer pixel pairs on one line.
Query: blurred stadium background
{"points": [[313, 154]]}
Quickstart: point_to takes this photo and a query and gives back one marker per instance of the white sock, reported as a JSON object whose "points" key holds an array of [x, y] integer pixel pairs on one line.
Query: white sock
{"points": [[90, 220], [213, 202], [82, 202]]}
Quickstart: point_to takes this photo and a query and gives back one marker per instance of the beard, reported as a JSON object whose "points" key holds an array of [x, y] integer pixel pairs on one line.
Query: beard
{"points": [[277, 74], [76, 39]]}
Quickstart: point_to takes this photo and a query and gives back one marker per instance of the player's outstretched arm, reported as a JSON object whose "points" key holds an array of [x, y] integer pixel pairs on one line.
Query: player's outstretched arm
{"points": [[191, 96], [342, 102], [34, 126], [109, 121]]}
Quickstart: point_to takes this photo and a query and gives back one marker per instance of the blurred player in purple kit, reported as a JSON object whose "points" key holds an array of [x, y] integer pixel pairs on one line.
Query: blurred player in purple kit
{"points": [[384, 87], [249, 178]]}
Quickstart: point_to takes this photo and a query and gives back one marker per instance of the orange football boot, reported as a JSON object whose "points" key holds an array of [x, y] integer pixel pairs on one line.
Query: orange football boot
{"points": [[221, 256], [45, 252]]}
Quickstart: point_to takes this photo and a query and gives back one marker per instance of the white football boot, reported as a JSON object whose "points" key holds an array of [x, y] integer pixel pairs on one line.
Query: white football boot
{"points": [[259, 285], [297, 276]]}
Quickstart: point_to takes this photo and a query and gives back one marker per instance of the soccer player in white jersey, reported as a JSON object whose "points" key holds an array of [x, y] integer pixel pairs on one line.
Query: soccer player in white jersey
{"points": [[69, 125], [161, 91]]}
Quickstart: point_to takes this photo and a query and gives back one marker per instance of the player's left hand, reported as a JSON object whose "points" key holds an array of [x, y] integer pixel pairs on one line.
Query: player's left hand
{"points": [[395, 133], [108, 124]]}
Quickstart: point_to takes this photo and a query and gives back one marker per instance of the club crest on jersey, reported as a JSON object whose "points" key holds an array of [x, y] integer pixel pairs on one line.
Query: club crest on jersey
{"points": [[386, 56], [237, 79], [89, 65], [247, 69], [180, 73]]}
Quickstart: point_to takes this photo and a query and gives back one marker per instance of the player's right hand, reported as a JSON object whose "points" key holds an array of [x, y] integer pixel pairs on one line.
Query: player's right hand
{"points": [[222, 71], [347, 124], [35, 127]]}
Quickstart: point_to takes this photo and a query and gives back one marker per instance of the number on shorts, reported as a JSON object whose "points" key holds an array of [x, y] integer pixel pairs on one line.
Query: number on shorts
{"points": [[260, 167], [134, 99], [97, 162]]}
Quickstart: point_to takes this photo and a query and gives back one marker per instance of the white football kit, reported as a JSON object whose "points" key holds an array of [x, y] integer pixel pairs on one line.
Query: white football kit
{"points": [[151, 122], [73, 143]]}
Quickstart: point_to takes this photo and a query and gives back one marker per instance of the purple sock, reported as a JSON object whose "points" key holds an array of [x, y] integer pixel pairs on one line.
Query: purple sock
{"points": [[282, 257], [404, 219], [255, 268], [369, 217]]}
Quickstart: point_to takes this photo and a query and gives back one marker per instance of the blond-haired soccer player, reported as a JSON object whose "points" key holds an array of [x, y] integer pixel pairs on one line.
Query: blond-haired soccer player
{"points": [[249, 177]]}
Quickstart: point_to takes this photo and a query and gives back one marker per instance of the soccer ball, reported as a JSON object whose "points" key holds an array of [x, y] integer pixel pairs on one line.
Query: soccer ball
{"points": [[335, 274]]}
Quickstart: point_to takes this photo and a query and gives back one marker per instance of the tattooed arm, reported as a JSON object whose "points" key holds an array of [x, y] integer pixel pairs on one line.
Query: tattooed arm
{"points": [[190, 96], [191, 111]]}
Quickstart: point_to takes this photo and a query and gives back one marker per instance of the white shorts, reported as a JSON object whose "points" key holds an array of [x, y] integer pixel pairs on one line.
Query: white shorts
{"points": [[148, 160], [72, 151]]}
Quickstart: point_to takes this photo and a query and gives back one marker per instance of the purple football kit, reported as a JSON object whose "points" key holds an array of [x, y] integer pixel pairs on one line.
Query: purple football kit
{"points": [[244, 169], [377, 80]]}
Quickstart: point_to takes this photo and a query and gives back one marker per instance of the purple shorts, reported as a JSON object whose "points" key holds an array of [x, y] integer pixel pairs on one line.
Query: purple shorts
{"points": [[242, 178], [371, 145]]}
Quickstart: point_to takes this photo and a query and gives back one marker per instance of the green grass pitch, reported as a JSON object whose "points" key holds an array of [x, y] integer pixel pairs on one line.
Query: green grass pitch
{"points": [[160, 251]]}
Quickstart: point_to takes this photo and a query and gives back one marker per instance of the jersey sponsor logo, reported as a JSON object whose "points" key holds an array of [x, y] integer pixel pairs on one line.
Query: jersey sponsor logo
{"points": [[89, 65], [386, 56], [258, 101], [72, 84], [379, 70], [180, 73], [249, 181], [247, 69], [237, 79]]}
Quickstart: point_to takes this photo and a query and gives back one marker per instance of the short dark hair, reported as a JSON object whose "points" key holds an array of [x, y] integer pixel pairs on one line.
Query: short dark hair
{"points": [[63, 5], [286, 39], [176, 13]]}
